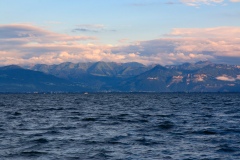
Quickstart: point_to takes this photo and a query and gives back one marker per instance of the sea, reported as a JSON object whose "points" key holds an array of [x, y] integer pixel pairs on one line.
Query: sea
{"points": [[120, 126]]}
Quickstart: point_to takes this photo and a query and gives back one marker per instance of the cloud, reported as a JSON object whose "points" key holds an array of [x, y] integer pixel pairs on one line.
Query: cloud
{"points": [[27, 44], [84, 30], [219, 44], [199, 2], [95, 28], [163, 51], [226, 78], [34, 34], [219, 41], [217, 32], [195, 3], [206, 2]]}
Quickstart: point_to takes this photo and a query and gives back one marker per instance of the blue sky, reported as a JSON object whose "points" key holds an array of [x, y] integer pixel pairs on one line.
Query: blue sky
{"points": [[147, 31]]}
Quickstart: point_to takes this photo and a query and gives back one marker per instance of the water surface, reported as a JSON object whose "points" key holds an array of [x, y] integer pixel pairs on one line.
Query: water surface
{"points": [[120, 126]]}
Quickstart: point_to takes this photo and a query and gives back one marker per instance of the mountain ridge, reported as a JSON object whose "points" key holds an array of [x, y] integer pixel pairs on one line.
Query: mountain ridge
{"points": [[203, 76]]}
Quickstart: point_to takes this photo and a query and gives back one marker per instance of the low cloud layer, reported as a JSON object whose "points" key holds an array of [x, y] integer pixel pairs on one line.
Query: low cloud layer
{"points": [[27, 44]]}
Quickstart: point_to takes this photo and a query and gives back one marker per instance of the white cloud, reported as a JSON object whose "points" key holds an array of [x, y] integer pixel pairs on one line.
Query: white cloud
{"points": [[199, 2], [206, 2]]}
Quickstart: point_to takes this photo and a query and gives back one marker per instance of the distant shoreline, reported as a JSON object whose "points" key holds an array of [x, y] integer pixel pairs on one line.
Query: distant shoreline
{"points": [[119, 93]]}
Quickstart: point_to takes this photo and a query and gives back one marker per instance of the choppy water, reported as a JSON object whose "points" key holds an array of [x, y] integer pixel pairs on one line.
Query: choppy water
{"points": [[120, 126]]}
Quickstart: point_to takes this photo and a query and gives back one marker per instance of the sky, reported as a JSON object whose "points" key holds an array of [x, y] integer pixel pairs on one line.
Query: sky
{"points": [[162, 32]]}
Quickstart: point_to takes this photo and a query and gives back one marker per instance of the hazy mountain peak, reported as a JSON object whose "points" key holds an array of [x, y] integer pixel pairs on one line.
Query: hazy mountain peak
{"points": [[203, 62], [11, 67], [159, 67], [133, 64]]}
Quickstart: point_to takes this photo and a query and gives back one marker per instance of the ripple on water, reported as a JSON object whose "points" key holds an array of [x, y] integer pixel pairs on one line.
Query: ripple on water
{"points": [[29, 154], [89, 119], [40, 140], [206, 132], [166, 125], [226, 148]]}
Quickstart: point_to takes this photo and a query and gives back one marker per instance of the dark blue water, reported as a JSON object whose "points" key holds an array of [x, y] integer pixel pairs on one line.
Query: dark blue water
{"points": [[120, 126]]}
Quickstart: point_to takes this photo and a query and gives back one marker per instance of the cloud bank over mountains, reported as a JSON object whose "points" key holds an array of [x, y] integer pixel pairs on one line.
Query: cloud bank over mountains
{"points": [[28, 44]]}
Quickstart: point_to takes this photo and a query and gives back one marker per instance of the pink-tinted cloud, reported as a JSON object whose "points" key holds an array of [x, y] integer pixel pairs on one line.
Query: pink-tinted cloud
{"points": [[226, 78], [216, 32], [35, 34], [220, 41], [26, 44]]}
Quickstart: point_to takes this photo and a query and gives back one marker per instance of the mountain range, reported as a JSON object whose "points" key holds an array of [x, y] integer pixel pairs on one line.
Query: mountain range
{"points": [[203, 76]]}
